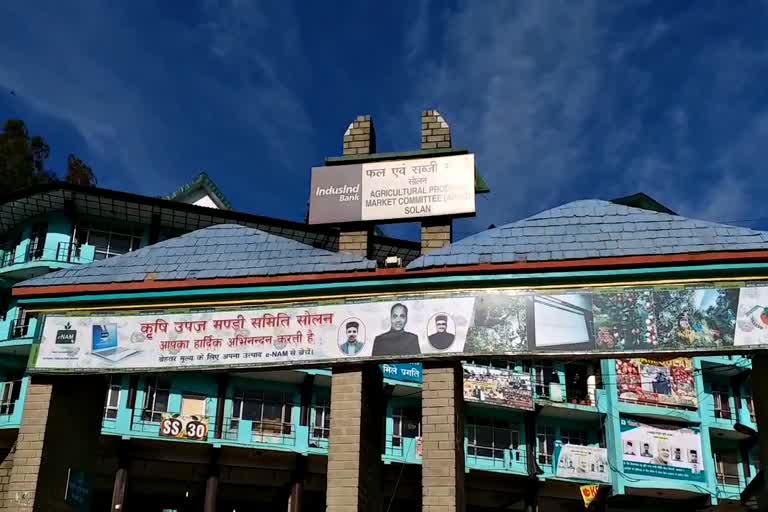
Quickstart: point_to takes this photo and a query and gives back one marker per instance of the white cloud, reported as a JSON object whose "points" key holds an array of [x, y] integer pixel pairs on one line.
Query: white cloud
{"points": [[563, 100]]}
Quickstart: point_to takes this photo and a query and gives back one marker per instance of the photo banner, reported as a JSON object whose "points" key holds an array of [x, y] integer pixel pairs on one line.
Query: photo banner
{"points": [[498, 387], [581, 462], [417, 326], [670, 382], [661, 450]]}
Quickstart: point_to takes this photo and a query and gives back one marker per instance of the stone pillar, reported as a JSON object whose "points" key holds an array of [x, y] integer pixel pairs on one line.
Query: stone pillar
{"points": [[354, 451], [356, 241], [760, 399], [442, 413], [60, 430], [435, 134]]}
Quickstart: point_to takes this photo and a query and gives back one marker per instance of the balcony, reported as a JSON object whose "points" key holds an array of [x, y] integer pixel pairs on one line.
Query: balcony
{"points": [[25, 260]]}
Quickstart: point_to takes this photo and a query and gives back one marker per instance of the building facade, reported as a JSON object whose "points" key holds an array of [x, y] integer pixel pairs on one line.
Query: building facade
{"points": [[485, 433]]}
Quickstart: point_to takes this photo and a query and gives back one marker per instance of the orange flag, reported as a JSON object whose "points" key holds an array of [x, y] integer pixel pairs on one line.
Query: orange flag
{"points": [[589, 494]]}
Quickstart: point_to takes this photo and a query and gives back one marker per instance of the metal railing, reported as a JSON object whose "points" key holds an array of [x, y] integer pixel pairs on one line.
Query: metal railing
{"points": [[19, 329], [64, 252]]}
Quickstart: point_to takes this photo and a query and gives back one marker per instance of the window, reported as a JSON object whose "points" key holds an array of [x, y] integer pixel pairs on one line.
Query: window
{"points": [[36, 249], [270, 412], [750, 406], [721, 398], [108, 242], [113, 399], [321, 424], [726, 467], [157, 394], [21, 324], [543, 374], [545, 443], [9, 396], [193, 405], [406, 424], [568, 436], [9, 250], [489, 437]]}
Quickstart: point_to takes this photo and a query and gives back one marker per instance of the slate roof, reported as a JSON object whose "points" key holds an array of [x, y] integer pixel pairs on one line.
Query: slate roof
{"points": [[593, 229], [219, 251]]}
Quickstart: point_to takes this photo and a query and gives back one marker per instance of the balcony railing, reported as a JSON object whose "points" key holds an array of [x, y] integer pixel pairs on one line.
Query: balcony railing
{"points": [[20, 329], [64, 252]]}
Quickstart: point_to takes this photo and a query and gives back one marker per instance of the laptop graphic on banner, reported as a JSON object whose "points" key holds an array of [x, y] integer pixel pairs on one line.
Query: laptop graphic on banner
{"points": [[105, 343]]}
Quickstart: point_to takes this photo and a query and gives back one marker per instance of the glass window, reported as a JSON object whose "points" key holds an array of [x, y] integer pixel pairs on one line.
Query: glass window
{"points": [[193, 405], [406, 423], [726, 467], [543, 374], [108, 242], [9, 396], [321, 423], [568, 436], [21, 324], [545, 443], [270, 412], [157, 395], [721, 399], [489, 437], [112, 399]]}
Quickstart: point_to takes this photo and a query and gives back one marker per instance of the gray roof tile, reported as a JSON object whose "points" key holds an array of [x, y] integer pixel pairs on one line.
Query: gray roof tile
{"points": [[593, 228], [223, 250]]}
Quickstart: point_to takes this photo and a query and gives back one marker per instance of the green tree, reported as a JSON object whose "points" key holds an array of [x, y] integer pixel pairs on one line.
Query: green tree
{"points": [[79, 173], [22, 158]]}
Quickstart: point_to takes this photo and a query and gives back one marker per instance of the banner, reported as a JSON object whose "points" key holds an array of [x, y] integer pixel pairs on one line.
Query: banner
{"points": [[589, 494], [395, 189], [194, 428], [498, 386], [669, 382], [582, 462], [419, 326], [662, 450], [407, 372]]}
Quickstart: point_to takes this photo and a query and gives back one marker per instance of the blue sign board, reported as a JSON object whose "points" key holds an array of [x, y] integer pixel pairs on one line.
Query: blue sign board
{"points": [[407, 372]]}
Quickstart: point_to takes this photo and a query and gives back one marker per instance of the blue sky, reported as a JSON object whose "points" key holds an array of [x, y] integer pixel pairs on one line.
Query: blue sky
{"points": [[560, 100]]}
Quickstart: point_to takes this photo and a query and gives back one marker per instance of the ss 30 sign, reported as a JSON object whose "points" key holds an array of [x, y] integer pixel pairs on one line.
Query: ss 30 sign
{"points": [[184, 427]]}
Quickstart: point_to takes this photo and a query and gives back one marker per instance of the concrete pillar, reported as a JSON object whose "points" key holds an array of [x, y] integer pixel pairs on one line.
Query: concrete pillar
{"points": [[296, 490], [212, 482], [435, 134], [760, 394], [354, 451], [121, 478], [60, 430], [442, 413]]}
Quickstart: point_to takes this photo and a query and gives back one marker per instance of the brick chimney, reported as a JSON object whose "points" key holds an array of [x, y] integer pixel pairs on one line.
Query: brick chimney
{"points": [[359, 139], [435, 134]]}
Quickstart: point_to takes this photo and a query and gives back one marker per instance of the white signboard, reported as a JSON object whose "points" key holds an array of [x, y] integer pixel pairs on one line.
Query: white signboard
{"points": [[254, 337], [397, 189], [582, 462]]}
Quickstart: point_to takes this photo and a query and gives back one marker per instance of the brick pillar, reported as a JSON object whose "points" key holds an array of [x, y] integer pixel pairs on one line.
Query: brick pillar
{"points": [[435, 134], [354, 450], [442, 417], [60, 429], [359, 139], [6, 466]]}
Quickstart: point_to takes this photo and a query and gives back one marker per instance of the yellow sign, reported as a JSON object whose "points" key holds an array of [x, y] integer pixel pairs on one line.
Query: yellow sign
{"points": [[589, 493]]}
